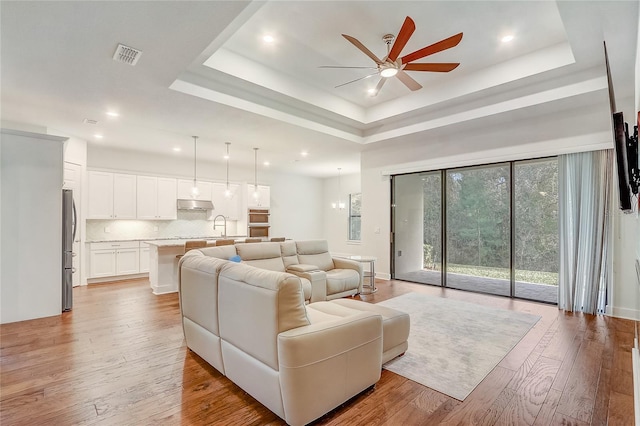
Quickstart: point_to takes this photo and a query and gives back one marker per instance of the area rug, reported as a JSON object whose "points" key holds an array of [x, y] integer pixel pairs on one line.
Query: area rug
{"points": [[453, 345]]}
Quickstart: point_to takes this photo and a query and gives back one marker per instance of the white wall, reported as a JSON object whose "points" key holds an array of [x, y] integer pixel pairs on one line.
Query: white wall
{"points": [[31, 216], [336, 221], [296, 210]]}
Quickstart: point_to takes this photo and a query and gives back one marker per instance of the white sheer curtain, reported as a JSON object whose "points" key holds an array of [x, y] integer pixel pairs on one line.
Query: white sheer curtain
{"points": [[584, 194]]}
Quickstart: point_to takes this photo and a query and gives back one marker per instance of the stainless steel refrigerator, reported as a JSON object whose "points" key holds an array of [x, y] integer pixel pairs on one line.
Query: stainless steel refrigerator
{"points": [[69, 225]]}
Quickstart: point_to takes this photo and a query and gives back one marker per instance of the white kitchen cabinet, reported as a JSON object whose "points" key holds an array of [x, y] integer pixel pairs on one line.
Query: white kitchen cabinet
{"points": [[124, 196], [156, 198], [111, 196], [100, 195], [114, 258], [103, 263], [263, 198], [184, 189], [144, 257], [167, 197], [230, 207], [127, 261]]}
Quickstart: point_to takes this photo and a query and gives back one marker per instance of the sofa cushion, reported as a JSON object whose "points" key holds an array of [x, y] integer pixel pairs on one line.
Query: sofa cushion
{"points": [[255, 305], [256, 251], [288, 253], [220, 252], [339, 280], [315, 252]]}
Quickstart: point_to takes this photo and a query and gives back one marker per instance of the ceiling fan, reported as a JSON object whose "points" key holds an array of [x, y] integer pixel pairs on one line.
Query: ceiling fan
{"points": [[391, 65]]}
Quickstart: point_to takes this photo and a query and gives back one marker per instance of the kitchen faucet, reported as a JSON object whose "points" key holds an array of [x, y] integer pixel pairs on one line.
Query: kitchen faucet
{"points": [[224, 235]]}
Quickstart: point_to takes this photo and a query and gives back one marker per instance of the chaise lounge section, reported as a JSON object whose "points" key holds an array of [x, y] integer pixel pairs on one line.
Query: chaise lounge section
{"points": [[253, 326], [253, 322]]}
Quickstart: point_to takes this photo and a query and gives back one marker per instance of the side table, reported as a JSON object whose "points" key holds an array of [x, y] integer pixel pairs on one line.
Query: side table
{"points": [[372, 274]]}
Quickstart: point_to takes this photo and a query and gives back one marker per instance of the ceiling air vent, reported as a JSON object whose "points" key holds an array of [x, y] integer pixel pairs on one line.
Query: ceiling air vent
{"points": [[89, 121], [127, 54]]}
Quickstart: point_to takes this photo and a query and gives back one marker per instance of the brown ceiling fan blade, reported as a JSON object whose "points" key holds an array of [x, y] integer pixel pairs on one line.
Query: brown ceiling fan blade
{"points": [[408, 27], [378, 86], [357, 79], [438, 67], [408, 81], [445, 44], [362, 48]]}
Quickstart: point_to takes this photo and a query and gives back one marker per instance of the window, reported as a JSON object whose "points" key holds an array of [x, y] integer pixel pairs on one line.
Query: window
{"points": [[355, 203]]}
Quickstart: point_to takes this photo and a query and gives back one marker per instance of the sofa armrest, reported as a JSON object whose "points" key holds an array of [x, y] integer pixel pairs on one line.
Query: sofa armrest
{"points": [[324, 364], [342, 263], [318, 280], [302, 268]]}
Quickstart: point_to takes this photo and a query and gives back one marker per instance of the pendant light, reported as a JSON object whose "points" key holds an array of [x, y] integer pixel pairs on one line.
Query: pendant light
{"points": [[194, 189], [255, 173], [227, 191], [339, 205]]}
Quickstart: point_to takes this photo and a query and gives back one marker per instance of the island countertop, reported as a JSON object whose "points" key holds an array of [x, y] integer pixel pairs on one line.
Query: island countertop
{"points": [[180, 241], [176, 240]]}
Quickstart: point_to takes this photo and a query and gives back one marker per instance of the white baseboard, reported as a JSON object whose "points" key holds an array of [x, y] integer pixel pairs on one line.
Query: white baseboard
{"points": [[383, 276], [632, 314], [116, 278]]}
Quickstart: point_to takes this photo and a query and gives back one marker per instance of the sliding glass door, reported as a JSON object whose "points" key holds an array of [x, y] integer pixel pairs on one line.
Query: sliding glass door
{"points": [[489, 229], [478, 223], [536, 230], [417, 252]]}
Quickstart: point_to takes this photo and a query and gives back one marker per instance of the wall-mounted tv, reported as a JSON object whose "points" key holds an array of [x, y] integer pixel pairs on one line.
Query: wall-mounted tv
{"points": [[626, 149], [620, 145]]}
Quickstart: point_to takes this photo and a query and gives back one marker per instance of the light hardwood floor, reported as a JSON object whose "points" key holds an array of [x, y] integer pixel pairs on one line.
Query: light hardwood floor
{"points": [[119, 358]]}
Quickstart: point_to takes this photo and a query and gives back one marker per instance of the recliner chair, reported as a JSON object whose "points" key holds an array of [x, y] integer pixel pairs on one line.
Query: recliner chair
{"points": [[344, 277]]}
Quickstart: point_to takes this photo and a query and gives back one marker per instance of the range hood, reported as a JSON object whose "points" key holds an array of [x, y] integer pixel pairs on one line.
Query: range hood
{"points": [[195, 205]]}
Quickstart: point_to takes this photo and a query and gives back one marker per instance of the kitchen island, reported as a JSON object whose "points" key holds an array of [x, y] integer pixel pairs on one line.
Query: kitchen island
{"points": [[163, 261]]}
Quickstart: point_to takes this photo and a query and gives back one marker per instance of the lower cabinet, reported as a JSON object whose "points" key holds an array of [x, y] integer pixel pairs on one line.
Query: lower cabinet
{"points": [[114, 258], [144, 257]]}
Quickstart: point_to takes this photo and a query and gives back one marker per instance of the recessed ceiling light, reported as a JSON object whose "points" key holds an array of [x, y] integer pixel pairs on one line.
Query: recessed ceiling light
{"points": [[304, 153], [268, 38], [266, 163], [507, 38], [177, 149], [113, 114], [371, 91], [98, 136]]}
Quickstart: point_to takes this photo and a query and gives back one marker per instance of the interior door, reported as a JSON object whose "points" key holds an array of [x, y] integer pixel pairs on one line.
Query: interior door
{"points": [[73, 181]]}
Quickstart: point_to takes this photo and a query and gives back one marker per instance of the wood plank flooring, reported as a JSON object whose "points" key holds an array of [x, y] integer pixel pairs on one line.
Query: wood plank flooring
{"points": [[119, 358]]}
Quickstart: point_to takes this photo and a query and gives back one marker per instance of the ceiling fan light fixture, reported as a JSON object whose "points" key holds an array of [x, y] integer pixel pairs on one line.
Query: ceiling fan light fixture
{"points": [[388, 72]]}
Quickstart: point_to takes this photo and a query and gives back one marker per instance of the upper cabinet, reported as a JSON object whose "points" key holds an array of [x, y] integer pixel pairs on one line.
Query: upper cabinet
{"points": [[184, 189], [156, 198], [111, 196], [259, 198], [230, 206]]}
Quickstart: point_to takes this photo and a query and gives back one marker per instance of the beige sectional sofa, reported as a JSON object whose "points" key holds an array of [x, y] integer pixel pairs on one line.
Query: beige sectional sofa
{"points": [[323, 277], [253, 325]]}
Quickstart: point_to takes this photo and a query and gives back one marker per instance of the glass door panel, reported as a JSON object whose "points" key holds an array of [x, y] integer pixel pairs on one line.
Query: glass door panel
{"points": [[417, 228], [478, 229], [536, 230]]}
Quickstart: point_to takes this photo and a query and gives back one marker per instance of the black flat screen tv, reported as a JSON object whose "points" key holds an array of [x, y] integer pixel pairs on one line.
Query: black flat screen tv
{"points": [[620, 136], [623, 147]]}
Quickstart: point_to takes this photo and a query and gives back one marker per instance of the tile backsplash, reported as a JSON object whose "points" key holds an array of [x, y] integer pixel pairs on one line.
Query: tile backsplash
{"points": [[188, 224]]}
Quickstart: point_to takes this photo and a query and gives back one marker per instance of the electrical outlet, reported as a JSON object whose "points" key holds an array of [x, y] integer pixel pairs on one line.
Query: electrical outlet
{"points": [[399, 253], [107, 230], [377, 230]]}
